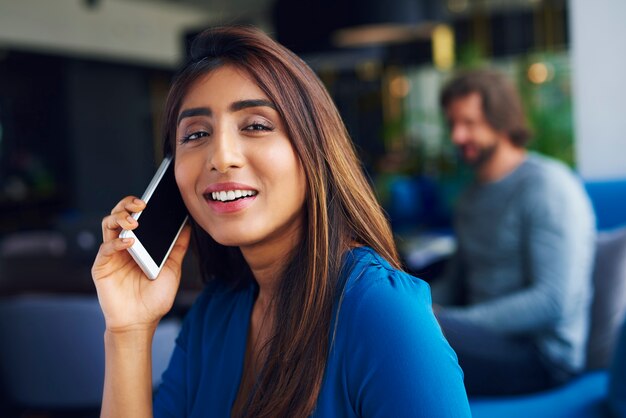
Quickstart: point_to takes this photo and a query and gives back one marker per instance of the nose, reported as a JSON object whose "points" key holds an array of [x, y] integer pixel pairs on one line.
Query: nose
{"points": [[225, 152], [458, 134]]}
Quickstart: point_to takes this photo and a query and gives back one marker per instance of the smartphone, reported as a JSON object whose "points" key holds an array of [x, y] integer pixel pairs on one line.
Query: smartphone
{"points": [[160, 222]]}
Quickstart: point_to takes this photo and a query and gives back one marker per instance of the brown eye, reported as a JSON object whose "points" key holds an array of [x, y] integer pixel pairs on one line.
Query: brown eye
{"points": [[193, 136], [258, 127]]}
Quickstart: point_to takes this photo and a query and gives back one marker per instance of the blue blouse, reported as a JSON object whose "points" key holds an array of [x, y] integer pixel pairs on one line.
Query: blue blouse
{"points": [[388, 359]]}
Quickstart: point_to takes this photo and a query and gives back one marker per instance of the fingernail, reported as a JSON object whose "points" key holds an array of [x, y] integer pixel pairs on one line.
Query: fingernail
{"points": [[138, 202], [127, 240], [131, 219]]}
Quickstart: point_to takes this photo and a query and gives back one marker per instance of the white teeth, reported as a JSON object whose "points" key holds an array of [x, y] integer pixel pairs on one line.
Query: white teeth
{"points": [[227, 196]]}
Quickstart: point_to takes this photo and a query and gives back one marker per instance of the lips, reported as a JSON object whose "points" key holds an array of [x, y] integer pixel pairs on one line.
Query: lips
{"points": [[229, 197]]}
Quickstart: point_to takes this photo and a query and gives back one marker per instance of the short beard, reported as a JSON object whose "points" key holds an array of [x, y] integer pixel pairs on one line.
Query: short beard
{"points": [[485, 154]]}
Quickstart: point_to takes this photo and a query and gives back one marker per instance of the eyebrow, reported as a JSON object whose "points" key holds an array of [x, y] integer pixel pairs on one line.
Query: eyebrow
{"points": [[194, 111], [243, 104], [235, 107]]}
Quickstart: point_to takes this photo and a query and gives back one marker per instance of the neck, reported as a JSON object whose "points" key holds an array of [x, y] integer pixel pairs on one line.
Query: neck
{"points": [[505, 160], [267, 275], [268, 260]]}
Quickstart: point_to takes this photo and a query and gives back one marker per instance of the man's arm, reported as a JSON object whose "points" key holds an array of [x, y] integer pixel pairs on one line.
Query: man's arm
{"points": [[559, 244]]}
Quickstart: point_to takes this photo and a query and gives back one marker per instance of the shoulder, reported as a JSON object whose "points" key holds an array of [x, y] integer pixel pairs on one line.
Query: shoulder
{"points": [[388, 345], [372, 281], [378, 298], [544, 173], [551, 193], [547, 181]]}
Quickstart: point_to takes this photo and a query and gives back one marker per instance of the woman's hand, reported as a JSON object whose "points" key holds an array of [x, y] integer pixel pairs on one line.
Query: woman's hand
{"points": [[129, 300]]}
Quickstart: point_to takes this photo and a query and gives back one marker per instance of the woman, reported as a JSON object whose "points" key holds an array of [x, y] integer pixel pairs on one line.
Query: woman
{"points": [[305, 311]]}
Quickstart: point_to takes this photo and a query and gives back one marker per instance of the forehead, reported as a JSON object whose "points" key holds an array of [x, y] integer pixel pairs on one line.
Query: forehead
{"points": [[469, 105], [226, 84]]}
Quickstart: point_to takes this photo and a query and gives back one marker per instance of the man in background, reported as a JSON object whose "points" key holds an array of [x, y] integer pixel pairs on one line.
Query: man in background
{"points": [[521, 278]]}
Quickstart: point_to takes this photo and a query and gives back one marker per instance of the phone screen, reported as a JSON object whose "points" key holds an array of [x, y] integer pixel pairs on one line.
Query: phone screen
{"points": [[160, 221]]}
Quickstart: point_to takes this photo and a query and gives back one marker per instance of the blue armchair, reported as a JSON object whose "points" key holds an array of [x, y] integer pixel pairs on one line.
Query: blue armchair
{"points": [[595, 394], [609, 202]]}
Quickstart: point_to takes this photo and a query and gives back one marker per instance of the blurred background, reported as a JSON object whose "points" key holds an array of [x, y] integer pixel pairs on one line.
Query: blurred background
{"points": [[83, 84]]}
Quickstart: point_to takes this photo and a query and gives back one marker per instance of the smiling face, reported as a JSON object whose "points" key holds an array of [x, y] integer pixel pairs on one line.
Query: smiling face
{"points": [[236, 168], [475, 139]]}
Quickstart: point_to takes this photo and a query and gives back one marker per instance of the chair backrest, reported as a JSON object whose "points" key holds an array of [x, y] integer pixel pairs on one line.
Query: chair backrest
{"points": [[52, 351], [162, 347], [609, 299], [616, 399]]}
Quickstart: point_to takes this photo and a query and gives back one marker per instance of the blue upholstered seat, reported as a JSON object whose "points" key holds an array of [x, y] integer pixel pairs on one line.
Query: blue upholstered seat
{"points": [[585, 397]]}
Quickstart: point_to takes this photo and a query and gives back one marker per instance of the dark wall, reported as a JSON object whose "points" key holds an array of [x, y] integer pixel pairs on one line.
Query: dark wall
{"points": [[76, 136], [110, 134], [34, 163]]}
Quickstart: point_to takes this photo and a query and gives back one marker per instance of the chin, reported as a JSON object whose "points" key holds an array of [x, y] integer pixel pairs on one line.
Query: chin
{"points": [[230, 242], [471, 162], [233, 238]]}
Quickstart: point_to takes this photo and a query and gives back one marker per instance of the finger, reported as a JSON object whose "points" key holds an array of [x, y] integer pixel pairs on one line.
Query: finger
{"points": [[107, 251], [130, 204], [125, 206], [112, 225]]}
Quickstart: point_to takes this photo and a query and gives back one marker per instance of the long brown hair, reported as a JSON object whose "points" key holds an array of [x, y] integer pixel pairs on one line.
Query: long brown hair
{"points": [[340, 209]]}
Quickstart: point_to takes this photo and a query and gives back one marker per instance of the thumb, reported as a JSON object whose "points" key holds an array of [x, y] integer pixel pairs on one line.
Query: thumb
{"points": [[180, 248]]}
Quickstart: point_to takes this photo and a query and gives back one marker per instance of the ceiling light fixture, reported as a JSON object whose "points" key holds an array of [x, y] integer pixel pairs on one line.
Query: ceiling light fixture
{"points": [[375, 22]]}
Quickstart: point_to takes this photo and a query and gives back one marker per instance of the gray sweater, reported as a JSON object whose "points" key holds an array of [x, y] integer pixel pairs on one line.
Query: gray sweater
{"points": [[524, 258]]}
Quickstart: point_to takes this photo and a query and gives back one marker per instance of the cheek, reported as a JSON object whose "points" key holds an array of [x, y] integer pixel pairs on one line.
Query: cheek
{"points": [[181, 177], [289, 170], [484, 134], [186, 182], [185, 178], [288, 180]]}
